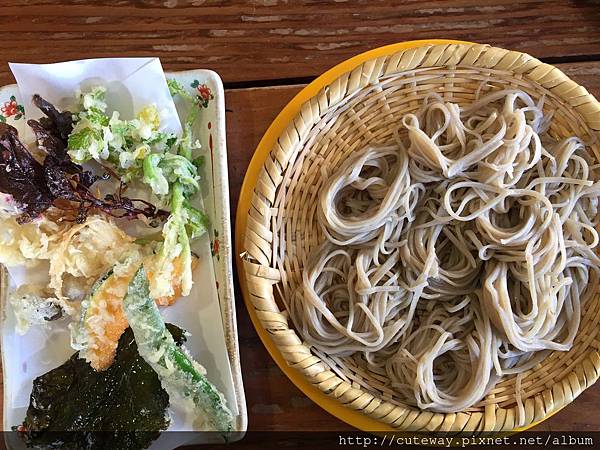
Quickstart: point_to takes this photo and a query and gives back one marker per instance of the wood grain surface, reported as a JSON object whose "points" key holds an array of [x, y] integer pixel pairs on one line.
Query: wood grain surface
{"points": [[265, 51], [274, 39]]}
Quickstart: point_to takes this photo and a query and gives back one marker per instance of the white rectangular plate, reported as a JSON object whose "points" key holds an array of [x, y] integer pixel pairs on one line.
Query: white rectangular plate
{"points": [[22, 362]]}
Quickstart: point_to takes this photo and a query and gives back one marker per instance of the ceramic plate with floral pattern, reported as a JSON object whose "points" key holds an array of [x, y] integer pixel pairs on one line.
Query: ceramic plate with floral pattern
{"points": [[209, 128]]}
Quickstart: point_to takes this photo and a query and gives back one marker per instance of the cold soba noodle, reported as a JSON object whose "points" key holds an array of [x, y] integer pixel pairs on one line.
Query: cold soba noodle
{"points": [[459, 254]]}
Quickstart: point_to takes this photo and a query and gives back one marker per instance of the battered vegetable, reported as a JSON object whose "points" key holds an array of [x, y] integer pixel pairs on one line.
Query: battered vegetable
{"points": [[181, 376]]}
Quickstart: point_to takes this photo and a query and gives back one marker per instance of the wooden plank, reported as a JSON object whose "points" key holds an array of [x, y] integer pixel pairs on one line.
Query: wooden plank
{"points": [[274, 39], [274, 403]]}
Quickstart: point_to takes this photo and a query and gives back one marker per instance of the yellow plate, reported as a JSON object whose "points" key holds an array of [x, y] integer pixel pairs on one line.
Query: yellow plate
{"points": [[350, 416]]}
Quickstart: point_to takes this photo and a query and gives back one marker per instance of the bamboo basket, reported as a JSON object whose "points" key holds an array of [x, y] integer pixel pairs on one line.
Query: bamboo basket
{"points": [[277, 221]]}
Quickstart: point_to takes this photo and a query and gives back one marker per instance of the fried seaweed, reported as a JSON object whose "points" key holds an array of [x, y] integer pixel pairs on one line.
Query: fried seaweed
{"points": [[21, 175], [58, 181], [75, 407], [59, 124]]}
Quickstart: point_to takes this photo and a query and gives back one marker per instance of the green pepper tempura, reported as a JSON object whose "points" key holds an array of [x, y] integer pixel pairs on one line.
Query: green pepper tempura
{"points": [[182, 377]]}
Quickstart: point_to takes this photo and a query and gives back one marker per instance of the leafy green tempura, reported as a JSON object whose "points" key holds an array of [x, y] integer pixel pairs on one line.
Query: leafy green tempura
{"points": [[186, 222], [137, 150], [124, 143], [123, 407]]}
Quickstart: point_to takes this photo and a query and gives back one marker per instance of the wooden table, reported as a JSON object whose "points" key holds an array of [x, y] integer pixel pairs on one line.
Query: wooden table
{"points": [[266, 51]]}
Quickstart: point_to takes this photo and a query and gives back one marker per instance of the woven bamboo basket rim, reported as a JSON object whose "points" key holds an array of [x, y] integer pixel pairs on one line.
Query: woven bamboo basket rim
{"points": [[559, 380]]}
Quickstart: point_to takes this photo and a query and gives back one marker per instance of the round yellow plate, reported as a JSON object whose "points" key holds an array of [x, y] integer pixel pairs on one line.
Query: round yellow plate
{"points": [[352, 417]]}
